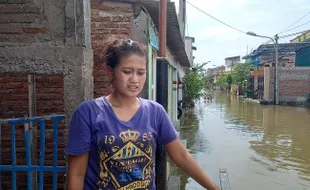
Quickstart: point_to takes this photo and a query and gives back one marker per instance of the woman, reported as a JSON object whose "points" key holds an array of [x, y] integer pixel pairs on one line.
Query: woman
{"points": [[112, 139]]}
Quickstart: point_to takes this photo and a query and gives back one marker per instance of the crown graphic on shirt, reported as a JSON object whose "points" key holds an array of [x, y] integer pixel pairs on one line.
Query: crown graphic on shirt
{"points": [[129, 136]]}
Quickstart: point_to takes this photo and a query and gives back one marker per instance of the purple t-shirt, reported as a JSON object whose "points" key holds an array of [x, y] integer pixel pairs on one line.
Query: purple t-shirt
{"points": [[121, 154]]}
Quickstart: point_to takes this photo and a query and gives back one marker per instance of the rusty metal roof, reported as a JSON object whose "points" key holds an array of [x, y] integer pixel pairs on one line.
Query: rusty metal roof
{"points": [[283, 48], [175, 41]]}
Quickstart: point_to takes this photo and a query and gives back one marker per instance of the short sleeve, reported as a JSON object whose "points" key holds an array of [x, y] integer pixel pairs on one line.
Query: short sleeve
{"points": [[79, 135], [166, 130]]}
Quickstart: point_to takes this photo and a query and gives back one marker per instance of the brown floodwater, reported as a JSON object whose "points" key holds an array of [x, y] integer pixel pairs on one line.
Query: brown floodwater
{"points": [[262, 147]]}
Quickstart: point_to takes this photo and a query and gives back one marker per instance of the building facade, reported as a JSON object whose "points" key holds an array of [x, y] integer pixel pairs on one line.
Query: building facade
{"points": [[230, 62]]}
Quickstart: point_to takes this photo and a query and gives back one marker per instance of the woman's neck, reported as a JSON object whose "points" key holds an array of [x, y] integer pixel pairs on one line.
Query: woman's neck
{"points": [[117, 100]]}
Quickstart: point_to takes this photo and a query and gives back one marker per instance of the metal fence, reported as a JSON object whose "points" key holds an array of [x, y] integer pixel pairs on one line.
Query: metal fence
{"points": [[29, 168]]}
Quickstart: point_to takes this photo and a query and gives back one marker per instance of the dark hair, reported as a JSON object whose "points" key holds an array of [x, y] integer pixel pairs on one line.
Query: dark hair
{"points": [[118, 48]]}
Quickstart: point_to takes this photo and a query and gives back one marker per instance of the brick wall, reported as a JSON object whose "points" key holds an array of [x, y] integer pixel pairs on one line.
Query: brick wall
{"points": [[294, 84], [24, 22], [284, 61], [108, 19], [14, 103]]}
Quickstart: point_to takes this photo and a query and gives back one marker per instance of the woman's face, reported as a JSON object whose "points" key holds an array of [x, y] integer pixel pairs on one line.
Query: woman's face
{"points": [[130, 75]]}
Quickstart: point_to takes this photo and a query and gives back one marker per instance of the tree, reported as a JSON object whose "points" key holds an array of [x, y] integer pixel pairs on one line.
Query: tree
{"points": [[241, 72], [192, 87], [225, 80]]}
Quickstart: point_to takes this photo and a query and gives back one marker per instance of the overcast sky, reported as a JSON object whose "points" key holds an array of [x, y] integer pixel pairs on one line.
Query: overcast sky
{"points": [[215, 41]]}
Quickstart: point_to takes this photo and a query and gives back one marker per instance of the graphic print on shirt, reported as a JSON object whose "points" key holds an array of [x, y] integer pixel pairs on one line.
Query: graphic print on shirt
{"points": [[128, 166]]}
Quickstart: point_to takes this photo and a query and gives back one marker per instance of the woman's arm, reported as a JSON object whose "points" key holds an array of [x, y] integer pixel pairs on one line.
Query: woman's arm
{"points": [[77, 166], [185, 161]]}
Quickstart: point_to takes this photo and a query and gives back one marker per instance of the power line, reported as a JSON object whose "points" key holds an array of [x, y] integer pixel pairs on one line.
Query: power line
{"points": [[295, 22], [293, 34], [289, 35], [215, 18], [298, 26]]}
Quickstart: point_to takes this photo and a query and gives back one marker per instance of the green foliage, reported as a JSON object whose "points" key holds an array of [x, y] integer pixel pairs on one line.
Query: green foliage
{"points": [[208, 82], [193, 86], [241, 72], [225, 80]]}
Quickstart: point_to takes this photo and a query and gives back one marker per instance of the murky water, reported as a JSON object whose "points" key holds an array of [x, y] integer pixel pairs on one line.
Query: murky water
{"points": [[262, 147]]}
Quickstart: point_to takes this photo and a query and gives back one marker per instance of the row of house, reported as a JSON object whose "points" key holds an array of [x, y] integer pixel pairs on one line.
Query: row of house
{"points": [[51, 61], [230, 62], [293, 71]]}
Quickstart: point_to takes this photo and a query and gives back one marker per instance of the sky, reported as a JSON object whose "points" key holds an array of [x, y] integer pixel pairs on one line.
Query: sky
{"points": [[215, 41]]}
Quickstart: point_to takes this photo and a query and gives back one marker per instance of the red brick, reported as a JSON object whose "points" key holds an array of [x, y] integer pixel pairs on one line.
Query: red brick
{"points": [[19, 38], [101, 19], [96, 1], [13, 85], [22, 18], [15, 1], [121, 19], [120, 31], [4, 20], [11, 9], [31, 9], [34, 30], [127, 26], [11, 30]]}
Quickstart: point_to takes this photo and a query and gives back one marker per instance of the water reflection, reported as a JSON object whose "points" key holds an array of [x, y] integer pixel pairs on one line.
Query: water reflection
{"points": [[264, 147], [281, 134]]}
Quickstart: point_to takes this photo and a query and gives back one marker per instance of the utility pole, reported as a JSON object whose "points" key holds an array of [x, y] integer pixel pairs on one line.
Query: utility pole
{"points": [[162, 93], [276, 79]]}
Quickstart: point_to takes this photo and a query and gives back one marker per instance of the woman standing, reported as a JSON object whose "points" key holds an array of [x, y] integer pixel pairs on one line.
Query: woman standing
{"points": [[112, 139]]}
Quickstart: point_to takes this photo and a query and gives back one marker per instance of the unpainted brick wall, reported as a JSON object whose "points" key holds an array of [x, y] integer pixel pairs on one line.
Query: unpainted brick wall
{"points": [[294, 84], [14, 103], [21, 22], [109, 19]]}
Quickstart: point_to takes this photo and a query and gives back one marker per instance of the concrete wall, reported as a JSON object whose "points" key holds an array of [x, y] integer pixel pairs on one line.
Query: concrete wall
{"points": [[284, 61], [230, 63], [182, 17], [294, 84], [51, 40], [189, 49]]}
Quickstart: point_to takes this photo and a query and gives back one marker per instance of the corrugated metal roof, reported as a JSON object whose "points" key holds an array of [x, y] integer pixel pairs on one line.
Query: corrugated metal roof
{"points": [[175, 41], [284, 49]]}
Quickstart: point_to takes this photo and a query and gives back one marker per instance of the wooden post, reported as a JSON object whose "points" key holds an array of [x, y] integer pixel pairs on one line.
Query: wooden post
{"points": [[32, 127], [162, 27], [162, 92]]}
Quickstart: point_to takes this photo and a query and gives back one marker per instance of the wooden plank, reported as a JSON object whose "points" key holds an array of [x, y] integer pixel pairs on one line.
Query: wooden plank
{"points": [[224, 180]]}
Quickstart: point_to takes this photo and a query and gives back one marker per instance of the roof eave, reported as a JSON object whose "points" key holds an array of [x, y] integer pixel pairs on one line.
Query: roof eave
{"points": [[174, 39]]}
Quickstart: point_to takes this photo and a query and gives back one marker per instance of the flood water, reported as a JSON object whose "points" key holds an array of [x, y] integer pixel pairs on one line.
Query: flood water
{"points": [[262, 147]]}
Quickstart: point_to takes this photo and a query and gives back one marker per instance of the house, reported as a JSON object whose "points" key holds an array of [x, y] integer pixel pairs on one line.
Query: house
{"points": [[290, 55], [230, 62], [216, 72]]}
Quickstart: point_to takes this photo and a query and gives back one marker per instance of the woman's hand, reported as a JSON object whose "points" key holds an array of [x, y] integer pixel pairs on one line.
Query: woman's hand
{"points": [[185, 161]]}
